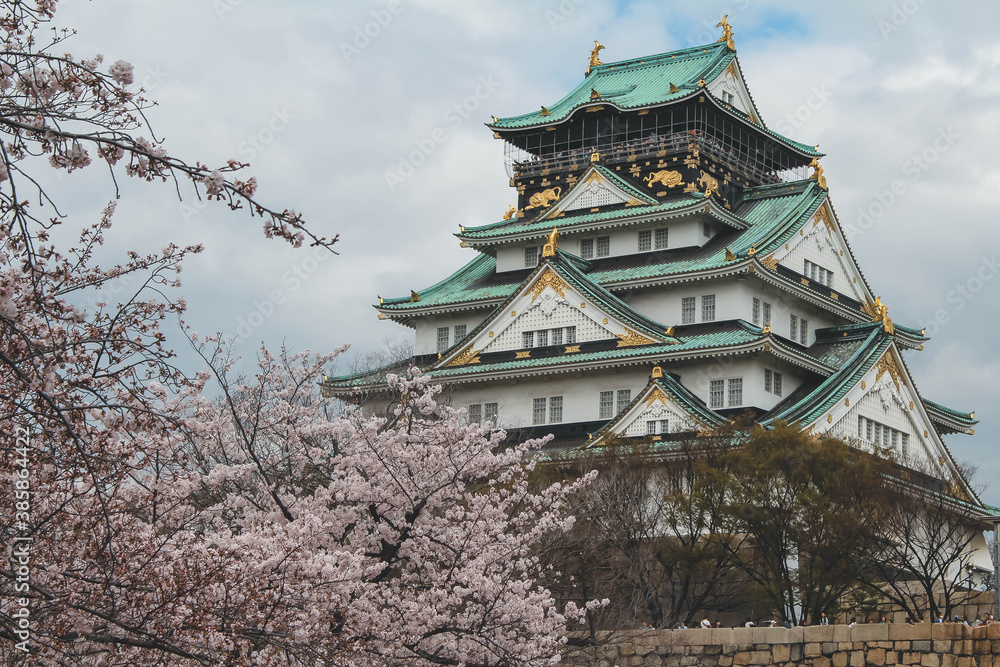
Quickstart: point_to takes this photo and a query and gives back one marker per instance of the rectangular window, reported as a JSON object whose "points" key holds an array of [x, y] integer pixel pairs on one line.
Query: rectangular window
{"points": [[869, 427], [661, 238], [768, 380], [442, 338], [767, 313], [904, 444], [607, 405], [706, 230], [895, 438], [885, 436], [570, 335], [538, 411], [756, 312], [555, 409], [531, 256], [664, 426], [657, 427], [543, 338], [878, 432], [717, 394], [460, 330], [557, 336], [651, 427], [490, 412], [587, 248], [708, 308], [735, 392], [603, 246], [861, 426], [645, 241], [527, 339], [793, 327], [475, 413], [777, 384], [687, 310], [624, 398], [804, 331]]}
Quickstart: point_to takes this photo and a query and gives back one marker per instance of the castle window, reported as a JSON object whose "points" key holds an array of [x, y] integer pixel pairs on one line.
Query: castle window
{"points": [[708, 308], [538, 411], [767, 312], [777, 384], [645, 241], [818, 273], [603, 246], [442, 340], [624, 398], [587, 248], [460, 330], [531, 256], [557, 336], [736, 392], [570, 335], [661, 238], [527, 339], [687, 310], [555, 409], [793, 322], [475, 413], [804, 331], [756, 312], [543, 338], [490, 412], [717, 394], [607, 405], [657, 427], [772, 382]]}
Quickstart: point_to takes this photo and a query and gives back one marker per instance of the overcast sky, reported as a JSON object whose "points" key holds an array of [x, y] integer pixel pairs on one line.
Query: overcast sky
{"points": [[325, 98]]}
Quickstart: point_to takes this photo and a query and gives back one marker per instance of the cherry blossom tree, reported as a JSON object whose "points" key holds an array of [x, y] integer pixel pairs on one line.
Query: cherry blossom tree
{"points": [[161, 527]]}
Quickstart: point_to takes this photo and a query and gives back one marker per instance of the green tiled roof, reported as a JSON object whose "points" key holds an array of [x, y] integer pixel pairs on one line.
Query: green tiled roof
{"points": [[633, 84], [808, 405], [518, 226], [961, 417], [645, 82], [734, 333], [772, 219]]}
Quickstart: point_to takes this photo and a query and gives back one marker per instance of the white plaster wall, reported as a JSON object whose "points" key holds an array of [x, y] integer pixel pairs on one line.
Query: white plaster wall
{"points": [[821, 247], [683, 233], [663, 304], [698, 378], [425, 341]]}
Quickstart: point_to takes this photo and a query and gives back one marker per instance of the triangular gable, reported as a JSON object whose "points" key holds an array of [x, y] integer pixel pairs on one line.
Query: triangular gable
{"points": [[730, 82], [885, 397], [598, 187], [556, 296], [664, 407], [821, 241]]}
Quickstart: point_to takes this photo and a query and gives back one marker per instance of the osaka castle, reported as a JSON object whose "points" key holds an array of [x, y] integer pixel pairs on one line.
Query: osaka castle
{"points": [[670, 263]]}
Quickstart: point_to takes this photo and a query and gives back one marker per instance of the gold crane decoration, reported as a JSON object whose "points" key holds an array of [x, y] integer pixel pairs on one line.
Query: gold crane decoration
{"points": [[727, 33], [595, 58]]}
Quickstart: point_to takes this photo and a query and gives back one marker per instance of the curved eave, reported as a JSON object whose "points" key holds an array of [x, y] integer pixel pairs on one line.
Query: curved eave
{"points": [[801, 149], [948, 420], [565, 223]]}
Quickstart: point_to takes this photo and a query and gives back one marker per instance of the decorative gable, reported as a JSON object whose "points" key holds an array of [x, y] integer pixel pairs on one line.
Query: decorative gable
{"points": [[664, 407], [883, 410], [555, 312], [732, 90], [821, 244], [597, 188]]}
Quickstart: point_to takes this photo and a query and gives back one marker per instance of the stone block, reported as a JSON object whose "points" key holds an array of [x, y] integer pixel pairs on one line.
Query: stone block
{"points": [[829, 648], [876, 656], [760, 658], [993, 631], [966, 661], [775, 636], [796, 652], [741, 658], [930, 660], [725, 660], [906, 631], [743, 635], [941, 646], [812, 649], [840, 659], [722, 636], [643, 650], [870, 633], [822, 661], [950, 631], [841, 633], [920, 646], [892, 657], [781, 652], [818, 633], [857, 659], [626, 649], [795, 635], [949, 660]]}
